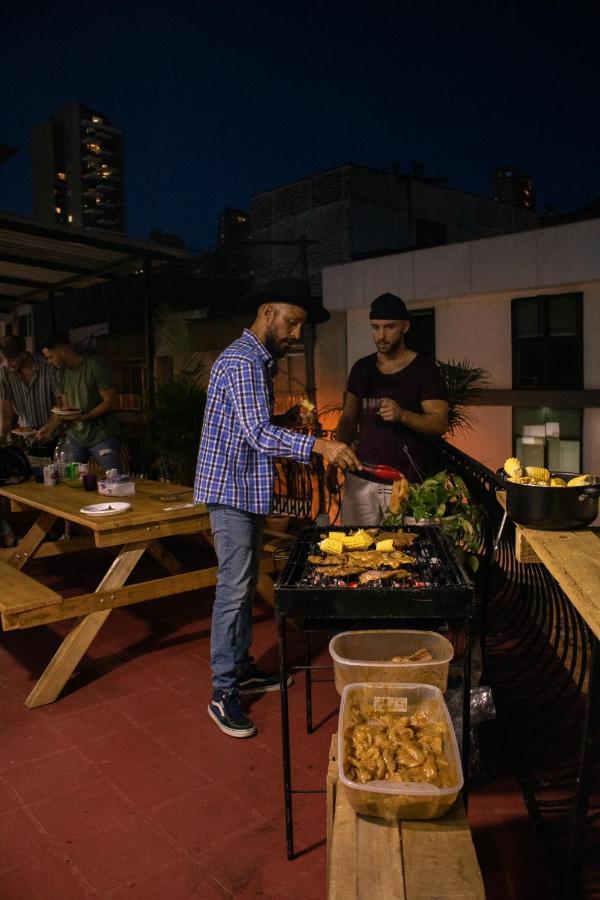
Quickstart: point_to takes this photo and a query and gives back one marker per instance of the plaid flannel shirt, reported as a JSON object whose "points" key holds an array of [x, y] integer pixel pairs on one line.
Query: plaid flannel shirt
{"points": [[238, 442]]}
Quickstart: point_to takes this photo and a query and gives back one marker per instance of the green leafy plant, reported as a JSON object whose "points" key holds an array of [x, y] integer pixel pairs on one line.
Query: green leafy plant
{"points": [[466, 385], [445, 500], [171, 448]]}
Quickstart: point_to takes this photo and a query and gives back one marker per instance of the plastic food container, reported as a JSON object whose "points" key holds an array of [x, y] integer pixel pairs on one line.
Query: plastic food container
{"points": [[399, 799], [361, 656]]}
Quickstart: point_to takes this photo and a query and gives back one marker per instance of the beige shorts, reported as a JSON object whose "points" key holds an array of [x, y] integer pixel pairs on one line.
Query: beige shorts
{"points": [[364, 502]]}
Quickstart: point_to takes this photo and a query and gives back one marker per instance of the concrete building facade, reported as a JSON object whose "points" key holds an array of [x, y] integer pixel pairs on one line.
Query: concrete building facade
{"points": [[352, 211], [475, 291]]}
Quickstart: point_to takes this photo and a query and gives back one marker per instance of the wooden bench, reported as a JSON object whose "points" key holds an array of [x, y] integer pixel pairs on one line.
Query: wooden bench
{"points": [[407, 860], [19, 593]]}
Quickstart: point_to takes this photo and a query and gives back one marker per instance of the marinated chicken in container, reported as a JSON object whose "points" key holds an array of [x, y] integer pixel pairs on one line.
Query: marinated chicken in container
{"points": [[418, 656], [391, 746]]}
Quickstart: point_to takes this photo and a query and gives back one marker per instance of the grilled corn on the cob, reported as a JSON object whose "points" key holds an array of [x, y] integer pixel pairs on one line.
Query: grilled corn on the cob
{"points": [[580, 481], [538, 472], [513, 467]]}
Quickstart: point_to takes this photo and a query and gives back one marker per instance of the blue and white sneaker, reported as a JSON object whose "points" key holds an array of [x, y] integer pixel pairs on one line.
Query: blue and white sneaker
{"points": [[255, 681], [226, 711]]}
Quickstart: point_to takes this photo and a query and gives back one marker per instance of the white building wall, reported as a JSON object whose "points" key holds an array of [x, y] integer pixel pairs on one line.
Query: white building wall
{"points": [[471, 286]]}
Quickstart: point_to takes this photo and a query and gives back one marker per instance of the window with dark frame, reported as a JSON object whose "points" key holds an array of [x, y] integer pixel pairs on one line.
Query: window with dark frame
{"points": [[547, 342], [547, 355], [421, 334]]}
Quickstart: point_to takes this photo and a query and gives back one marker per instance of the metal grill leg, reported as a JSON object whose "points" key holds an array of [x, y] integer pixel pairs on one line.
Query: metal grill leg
{"points": [[308, 683], [571, 885], [466, 735], [285, 736]]}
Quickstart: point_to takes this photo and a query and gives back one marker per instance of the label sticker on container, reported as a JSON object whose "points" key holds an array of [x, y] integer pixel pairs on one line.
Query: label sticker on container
{"points": [[390, 704]]}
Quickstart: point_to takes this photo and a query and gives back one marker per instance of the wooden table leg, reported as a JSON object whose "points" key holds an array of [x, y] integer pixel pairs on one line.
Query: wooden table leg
{"points": [[67, 657], [30, 542], [165, 558]]}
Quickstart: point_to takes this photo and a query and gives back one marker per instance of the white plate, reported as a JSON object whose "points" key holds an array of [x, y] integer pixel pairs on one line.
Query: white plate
{"points": [[24, 432], [65, 413], [105, 509]]}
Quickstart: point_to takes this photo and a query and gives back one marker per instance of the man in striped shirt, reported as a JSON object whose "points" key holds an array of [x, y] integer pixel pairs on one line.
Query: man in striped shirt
{"points": [[235, 478], [27, 392], [27, 386]]}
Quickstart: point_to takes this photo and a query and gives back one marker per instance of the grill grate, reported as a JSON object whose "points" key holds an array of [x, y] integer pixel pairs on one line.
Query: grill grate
{"points": [[436, 566], [437, 575]]}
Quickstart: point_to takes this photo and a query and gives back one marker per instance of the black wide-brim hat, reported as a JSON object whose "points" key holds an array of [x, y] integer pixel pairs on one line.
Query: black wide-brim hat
{"points": [[294, 291]]}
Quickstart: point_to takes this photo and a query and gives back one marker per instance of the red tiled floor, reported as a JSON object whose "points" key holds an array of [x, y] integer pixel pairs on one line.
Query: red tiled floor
{"points": [[55, 880], [157, 780], [133, 850], [125, 788], [182, 881], [55, 777], [204, 819], [84, 811]]}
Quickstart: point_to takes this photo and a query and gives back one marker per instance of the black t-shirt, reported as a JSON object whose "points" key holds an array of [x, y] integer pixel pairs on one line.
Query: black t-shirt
{"points": [[390, 443]]}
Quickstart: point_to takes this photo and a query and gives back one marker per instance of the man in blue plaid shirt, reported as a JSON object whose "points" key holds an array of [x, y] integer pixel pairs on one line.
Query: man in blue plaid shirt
{"points": [[235, 478]]}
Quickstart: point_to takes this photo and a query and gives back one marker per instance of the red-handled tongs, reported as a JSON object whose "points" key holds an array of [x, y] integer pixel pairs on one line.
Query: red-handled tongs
{"points": [[386, 473]]}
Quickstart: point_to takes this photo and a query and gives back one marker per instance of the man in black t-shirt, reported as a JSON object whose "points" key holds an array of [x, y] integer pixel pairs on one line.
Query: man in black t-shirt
{"points": [[396, 401]]}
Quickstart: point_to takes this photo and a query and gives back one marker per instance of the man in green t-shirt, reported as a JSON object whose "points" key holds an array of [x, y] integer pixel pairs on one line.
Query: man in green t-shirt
{"points": [[84, 384]]}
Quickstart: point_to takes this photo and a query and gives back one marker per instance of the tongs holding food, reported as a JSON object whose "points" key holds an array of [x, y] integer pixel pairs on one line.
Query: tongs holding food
{"points": [[386, 473]]}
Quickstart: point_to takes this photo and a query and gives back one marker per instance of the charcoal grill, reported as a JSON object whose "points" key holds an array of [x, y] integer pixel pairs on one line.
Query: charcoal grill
{"points": [[438, 588]]}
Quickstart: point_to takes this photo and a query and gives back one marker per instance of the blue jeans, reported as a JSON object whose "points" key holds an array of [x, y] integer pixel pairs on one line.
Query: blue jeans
{"points": [[106, 453], [237, 537]]}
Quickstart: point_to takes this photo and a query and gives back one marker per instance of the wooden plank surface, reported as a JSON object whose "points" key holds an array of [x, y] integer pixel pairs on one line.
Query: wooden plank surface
{"points": [[372, 858], [69, 654], [85, 604], [147, 507], [19, 592], [439, 858], [573, 559]]}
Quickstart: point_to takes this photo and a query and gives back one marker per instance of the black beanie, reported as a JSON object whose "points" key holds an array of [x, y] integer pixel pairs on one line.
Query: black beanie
{"points": [[388, 306]]}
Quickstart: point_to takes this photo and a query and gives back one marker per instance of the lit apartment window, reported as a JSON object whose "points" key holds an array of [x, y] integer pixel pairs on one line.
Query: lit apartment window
{"points": [[61, 176], [550, 437], [547, 347], [69, 218], [58, 210]]}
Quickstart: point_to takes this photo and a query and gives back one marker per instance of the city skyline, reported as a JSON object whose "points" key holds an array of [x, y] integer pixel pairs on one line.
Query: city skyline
{"points": [[218, 103]]}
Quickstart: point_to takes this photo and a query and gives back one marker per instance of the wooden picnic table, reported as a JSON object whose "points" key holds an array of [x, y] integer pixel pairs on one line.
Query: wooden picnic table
{"points": [[25, 601]]}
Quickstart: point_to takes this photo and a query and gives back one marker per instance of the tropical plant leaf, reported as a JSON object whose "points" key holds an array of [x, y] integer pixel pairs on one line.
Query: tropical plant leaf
{"points": [[466, 384]]}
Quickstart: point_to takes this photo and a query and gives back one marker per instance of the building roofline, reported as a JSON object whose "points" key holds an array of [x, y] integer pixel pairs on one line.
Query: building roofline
{"points": [[92, 237], [382, 171]]}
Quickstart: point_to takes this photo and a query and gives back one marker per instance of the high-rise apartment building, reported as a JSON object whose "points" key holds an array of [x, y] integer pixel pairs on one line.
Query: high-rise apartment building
{"points": [[233, 242], [78, 173], [514, 187]]}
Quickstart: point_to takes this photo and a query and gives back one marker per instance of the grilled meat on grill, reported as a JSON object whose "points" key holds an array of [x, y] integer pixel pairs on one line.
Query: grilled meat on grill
{"points": [[400, 538], [380, 575], [373, 559], [331, 559], [341, 571]]}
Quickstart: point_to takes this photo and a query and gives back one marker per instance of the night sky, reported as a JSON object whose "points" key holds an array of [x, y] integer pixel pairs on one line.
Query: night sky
{"points": [[221, 100]]}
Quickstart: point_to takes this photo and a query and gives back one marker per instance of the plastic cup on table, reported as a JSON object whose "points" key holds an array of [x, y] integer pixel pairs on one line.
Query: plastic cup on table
{"points": [[90, 482]]}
